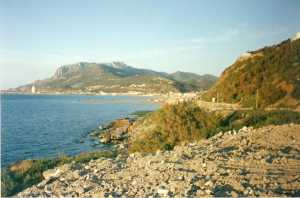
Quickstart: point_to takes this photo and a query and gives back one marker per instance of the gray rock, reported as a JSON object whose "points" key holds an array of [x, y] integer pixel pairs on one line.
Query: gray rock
{"points": [[51, 173], [163, 191]]}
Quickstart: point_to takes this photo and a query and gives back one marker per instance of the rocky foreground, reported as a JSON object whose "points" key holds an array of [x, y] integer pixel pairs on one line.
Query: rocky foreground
{"points": [[248, 162]]}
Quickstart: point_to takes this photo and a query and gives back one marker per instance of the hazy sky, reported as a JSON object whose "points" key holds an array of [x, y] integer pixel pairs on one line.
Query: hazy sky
{"points": [[189, 35]]}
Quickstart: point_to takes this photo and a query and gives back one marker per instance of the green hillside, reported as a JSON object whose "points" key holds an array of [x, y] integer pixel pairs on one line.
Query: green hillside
{"points": [[192, 81]]}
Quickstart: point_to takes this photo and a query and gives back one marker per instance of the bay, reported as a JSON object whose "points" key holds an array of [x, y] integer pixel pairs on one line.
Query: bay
{"points": [[39, 126]]}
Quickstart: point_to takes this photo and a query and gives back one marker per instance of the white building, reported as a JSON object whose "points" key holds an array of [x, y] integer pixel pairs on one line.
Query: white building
{"points": [[33, 90], [213, 100]]}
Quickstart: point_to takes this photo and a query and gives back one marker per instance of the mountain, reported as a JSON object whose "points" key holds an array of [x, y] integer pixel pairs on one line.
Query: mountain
{"points": [[269, 77], [193, 81], [114, 77]]}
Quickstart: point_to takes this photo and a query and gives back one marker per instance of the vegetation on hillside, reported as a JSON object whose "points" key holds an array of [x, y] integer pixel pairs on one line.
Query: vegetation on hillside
{"points": [[186, 122], [26, 173], [140, 113], [190, 81], [270, 76], [258, 118]]}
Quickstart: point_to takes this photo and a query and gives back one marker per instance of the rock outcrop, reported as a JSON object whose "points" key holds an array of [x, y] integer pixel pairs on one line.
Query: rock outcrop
{"points": [[115, 132], [248, 162]]}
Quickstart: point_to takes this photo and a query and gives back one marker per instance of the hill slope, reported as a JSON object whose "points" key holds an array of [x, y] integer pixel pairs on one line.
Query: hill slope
{"points": [[192, 80], [113, 77], [271, 75]]}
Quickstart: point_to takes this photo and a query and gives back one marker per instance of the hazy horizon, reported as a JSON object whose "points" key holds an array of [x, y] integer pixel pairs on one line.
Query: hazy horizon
{"points": [[202, 37]]}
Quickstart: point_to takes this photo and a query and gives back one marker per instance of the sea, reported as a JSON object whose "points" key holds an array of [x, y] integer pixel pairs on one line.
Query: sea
{"points": [[42, 126]]}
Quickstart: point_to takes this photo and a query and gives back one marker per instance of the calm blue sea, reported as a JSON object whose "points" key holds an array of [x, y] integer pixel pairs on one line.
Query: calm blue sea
{"points": [[36, 126]]}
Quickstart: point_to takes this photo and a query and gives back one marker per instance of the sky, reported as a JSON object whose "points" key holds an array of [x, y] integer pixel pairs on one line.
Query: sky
{"points": [[201, 36]]}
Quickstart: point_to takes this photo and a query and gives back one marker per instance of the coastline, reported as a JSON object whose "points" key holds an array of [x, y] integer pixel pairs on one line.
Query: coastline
{"points": [[37, 166], [160, 98], [91, 134], [82, 93], [138, 103], [53, 170], [42, 172]]}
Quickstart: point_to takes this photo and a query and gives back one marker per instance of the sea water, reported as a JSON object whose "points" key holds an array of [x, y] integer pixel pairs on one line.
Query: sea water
{"points": [[39, 126]]}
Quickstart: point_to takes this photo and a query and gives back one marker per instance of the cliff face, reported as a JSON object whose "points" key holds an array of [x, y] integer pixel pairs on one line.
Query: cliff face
{"points": [[270, 75], [66, 70]]}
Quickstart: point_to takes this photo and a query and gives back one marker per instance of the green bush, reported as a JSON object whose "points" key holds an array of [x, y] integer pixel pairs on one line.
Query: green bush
{"points": [[140, 113], [279, 117], [173, 124], [258, 118], [186, 122], [249, 101]]}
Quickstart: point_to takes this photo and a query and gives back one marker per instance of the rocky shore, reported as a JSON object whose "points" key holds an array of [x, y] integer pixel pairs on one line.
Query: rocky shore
{"points": [[248, 162], [115, 132]]}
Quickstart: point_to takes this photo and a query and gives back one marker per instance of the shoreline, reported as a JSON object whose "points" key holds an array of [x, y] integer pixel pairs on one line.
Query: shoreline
{"points": [[159, 98], [82, 93], [118, 153], [37, 167], [93, 143], [89, 135], [74, 94]]}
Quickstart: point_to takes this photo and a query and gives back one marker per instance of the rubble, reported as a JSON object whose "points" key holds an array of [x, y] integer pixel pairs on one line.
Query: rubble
{"points": [[250, 162]]}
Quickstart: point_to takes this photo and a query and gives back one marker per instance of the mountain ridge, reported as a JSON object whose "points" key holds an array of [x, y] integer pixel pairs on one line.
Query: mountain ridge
{"points": [[117, 77]]}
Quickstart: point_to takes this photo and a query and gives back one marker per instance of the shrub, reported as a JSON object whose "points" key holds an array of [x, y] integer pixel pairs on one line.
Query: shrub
{"points": [[140, 113], [186, 122], [173, 124], [258, 118]]}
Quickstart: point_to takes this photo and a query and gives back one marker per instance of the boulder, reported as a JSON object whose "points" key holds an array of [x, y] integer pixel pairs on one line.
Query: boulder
{"points": [[115, 131], [163, 191], [51, 173], [105, 138]]}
